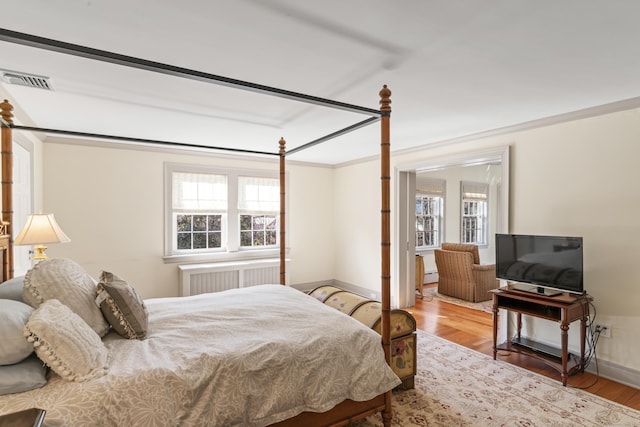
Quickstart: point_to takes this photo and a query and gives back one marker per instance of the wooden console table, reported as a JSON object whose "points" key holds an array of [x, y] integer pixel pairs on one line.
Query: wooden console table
{"points": [[564, 309]]}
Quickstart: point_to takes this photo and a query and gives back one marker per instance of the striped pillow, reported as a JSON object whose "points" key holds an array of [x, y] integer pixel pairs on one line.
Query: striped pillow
{"points": [[122, 306]]}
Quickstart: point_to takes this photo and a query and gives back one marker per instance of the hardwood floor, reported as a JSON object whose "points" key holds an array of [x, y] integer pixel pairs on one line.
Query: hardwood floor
{"points": [[473, 329]]}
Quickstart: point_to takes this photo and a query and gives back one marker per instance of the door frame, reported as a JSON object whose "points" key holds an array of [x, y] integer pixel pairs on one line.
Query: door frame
{"points": [[404, 245], [21, 254]]}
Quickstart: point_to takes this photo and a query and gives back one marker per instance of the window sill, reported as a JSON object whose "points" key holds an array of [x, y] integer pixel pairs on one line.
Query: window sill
{"points": [[426, 249], [222, 256]]}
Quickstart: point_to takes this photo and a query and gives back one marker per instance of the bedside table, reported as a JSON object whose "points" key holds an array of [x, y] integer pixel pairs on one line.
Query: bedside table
{"points": [[28, 418]]}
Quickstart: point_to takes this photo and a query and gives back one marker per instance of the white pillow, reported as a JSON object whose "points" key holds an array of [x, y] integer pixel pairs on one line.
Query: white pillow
{"points": [[66, 281], [65, 342], [13, 346], [26, 375], [12, 289]]}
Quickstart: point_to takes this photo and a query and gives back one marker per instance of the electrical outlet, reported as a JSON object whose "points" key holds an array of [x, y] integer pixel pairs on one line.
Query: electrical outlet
{"points": [[604, 329]]}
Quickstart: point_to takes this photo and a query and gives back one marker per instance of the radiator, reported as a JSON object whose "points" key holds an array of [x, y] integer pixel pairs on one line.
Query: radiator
{"points": [[215, 277]]}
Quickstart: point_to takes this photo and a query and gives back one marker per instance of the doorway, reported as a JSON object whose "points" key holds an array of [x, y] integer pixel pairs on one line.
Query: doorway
{"points": [[406, 175]]}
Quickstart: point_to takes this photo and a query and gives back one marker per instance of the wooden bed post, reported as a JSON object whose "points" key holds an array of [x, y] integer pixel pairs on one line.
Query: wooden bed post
{"points": [[385, 181], [283, 246], [7, 192]]}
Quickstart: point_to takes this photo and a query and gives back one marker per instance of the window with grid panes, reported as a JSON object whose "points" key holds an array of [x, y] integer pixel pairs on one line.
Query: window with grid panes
{"points": [[429, 212], [199, 231], [199, 206], [221, 212], [474, 207], [258, 204], [428, 219]]}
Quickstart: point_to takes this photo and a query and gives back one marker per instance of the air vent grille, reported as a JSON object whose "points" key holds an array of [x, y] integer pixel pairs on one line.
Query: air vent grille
{"points": [[24, 79]]}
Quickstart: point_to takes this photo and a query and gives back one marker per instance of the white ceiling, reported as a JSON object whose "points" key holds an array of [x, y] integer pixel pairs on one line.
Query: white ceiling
{"points": [[455, 67]]}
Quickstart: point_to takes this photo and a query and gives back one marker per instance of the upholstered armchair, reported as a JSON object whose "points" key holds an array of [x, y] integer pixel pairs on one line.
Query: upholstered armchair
{"points": [[460, 274]]}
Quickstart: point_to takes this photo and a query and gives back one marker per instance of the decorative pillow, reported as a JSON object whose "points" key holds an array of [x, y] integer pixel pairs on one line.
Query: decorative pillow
{"points": [[29, 374], [12, 289], [122, 306], [13, 316], [68, 282], [65, 342]]}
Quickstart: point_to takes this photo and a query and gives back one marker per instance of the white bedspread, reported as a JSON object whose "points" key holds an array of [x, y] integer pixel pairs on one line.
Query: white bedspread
{"points": [[244, 357]]}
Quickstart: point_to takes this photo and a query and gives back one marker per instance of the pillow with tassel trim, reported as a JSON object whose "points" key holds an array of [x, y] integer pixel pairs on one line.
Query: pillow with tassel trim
{"points": [[65, 342]]}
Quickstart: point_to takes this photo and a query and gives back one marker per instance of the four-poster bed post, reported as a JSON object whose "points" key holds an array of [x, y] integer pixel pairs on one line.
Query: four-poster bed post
{"points": [[283, 246], [6, 225], [385, 218]]}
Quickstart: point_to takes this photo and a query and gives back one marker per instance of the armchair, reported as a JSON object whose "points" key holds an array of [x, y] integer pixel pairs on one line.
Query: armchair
{"points": [[460, 274]]}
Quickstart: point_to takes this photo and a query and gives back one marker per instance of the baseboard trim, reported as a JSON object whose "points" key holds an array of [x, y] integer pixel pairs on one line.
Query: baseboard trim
{"points": [[615, 372], [309, 286], [430, 277], [367, 293]]}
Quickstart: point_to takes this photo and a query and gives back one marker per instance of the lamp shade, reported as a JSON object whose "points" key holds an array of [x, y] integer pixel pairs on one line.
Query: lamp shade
{"points": [[40, 229]]}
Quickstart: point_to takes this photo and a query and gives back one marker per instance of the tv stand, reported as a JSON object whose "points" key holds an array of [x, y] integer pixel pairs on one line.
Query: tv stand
{"points": [[564, 309], [538, 290]]}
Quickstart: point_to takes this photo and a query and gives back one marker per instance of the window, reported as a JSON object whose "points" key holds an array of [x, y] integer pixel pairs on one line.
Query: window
{"points": [[257, 230], [213, 211], [429, 213], [199, 231], [474, 202], [199, 205], [258, 204]]}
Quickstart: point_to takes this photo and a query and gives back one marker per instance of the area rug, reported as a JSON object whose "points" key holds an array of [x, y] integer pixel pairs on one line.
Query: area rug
{"points": [[431, 293], [456, 386]]}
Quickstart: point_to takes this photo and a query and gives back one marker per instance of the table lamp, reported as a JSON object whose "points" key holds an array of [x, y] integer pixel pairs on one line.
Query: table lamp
{"points": [[40, 229]]}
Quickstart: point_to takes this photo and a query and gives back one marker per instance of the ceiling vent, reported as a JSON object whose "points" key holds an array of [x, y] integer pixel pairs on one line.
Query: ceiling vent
{"points": [[24, 79]]}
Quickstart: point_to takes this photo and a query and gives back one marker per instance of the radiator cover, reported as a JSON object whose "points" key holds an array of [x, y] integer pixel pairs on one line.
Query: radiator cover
{"points": [[215, 277]]}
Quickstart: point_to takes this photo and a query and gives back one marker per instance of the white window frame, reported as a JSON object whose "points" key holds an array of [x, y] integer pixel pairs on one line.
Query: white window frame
{"points": [[232, 249], [475, 192], [256, 207], [432, 188]]}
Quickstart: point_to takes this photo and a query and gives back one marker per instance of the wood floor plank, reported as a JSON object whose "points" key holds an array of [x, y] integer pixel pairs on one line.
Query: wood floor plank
{"points": [[473, 329]]}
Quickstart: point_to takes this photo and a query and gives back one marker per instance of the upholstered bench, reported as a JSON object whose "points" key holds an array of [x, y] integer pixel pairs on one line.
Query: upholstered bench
{"points": [[403, 327]]}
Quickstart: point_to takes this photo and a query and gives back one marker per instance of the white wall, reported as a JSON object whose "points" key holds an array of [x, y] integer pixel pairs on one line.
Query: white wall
{"points": [[581, 179], [578, 178], [109, 201], [357, 253]]}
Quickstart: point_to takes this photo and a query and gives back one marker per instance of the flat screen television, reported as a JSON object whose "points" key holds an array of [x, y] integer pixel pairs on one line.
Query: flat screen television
{"points": [[544, 264]]}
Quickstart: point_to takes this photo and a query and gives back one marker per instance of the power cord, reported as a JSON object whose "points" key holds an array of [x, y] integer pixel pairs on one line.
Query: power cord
{"points": [[593, 335], [426, 296]]}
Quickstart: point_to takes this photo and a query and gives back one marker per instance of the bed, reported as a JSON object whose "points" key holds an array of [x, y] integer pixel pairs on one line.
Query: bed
{"points": [[195, 346]]}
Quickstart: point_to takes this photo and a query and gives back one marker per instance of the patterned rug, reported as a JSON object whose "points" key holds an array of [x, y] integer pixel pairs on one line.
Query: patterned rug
{"points": [[430, 293], [456, 386]]}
